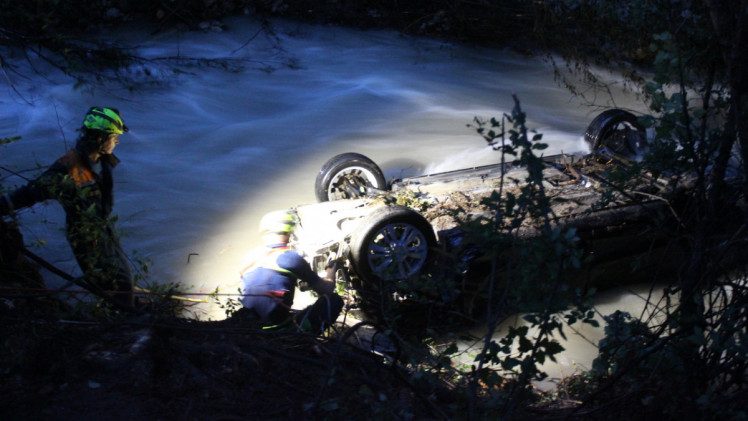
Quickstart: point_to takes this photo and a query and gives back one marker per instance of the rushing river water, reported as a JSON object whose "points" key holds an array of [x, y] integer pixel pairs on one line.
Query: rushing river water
{"points": [[210, 150]]}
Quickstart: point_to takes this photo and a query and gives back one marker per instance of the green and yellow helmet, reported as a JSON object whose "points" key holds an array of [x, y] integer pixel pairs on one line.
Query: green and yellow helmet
{"points": [[107, 120], [278, 222]]}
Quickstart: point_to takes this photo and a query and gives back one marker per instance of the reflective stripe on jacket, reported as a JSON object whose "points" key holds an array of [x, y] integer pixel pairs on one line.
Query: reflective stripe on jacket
{"points": [[268, 260], [82, 176]]}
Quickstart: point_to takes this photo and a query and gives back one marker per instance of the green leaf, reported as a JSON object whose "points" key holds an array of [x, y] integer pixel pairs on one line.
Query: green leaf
{"points": [[553, 347], [591, 322], [451, 349], [524, 344], [509, 363]]}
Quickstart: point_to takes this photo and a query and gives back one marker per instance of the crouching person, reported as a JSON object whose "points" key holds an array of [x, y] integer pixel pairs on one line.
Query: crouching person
{"points": [[270, 274]]}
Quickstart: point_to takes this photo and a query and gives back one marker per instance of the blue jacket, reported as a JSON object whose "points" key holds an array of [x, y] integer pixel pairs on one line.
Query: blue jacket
{"points": [[269, 278]]}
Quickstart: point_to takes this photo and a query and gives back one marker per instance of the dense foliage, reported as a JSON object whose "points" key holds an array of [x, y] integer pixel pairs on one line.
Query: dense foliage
{"points": [[689, 359]]}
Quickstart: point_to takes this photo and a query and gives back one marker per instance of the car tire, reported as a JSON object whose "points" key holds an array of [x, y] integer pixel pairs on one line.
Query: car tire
{"points": [[392, 235], [616, 131], [348, 176], [393, 243]]}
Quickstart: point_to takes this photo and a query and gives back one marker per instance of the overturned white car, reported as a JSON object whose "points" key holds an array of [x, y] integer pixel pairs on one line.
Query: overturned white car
{"points": [[358, 226]]}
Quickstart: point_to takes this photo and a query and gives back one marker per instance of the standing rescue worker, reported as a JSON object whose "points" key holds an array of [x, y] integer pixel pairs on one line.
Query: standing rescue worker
{"points": [[81, 181], [270, 274]]}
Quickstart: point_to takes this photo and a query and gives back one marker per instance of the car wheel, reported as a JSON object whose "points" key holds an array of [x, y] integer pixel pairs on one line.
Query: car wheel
{"points": [[616, 131], [393, 242], [347, 176]]}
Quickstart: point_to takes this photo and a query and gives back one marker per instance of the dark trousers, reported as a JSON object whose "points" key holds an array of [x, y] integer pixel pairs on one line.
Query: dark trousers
{"points": [[105, 265], [320, 315]]}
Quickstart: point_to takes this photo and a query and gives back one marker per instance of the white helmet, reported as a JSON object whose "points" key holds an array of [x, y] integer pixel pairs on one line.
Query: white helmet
{"points": [[278, 222]]}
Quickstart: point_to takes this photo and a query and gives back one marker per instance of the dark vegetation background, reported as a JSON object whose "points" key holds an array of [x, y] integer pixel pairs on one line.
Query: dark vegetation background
{"points": [[92, 362]]}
